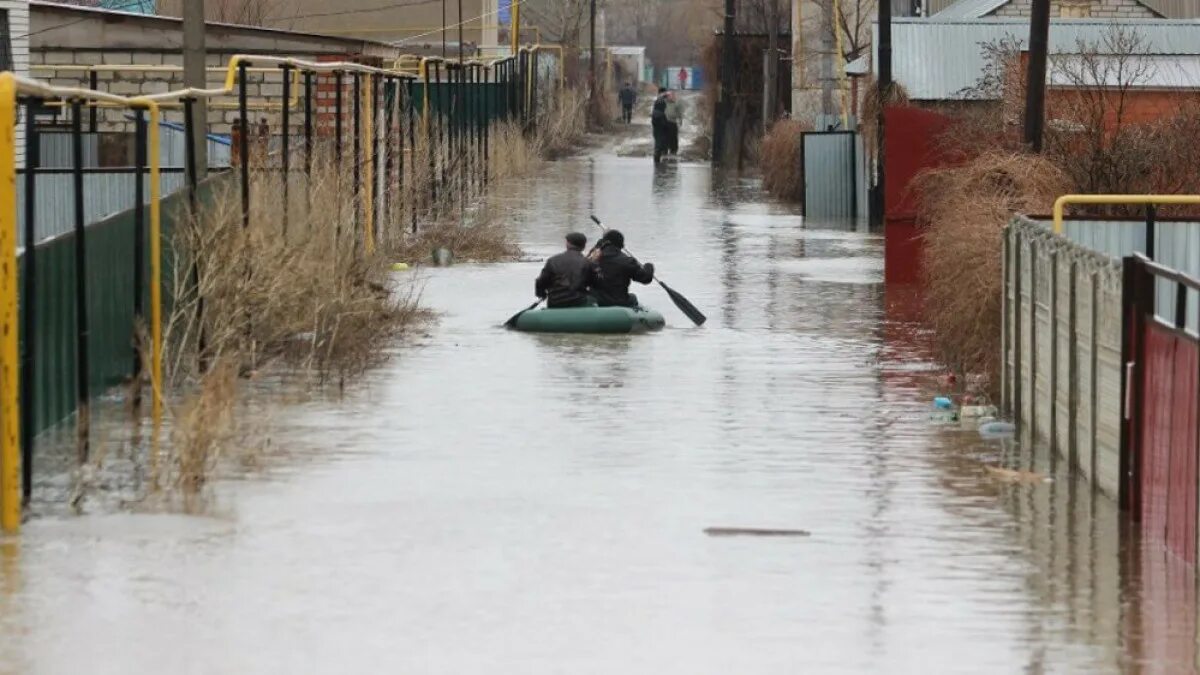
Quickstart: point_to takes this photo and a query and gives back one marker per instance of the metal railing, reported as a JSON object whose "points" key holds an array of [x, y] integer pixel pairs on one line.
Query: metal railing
{"points": [[375, 129]]}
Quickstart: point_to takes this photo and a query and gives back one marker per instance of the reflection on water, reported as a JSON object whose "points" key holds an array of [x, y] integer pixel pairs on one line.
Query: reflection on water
{"points": [[501, 502]]}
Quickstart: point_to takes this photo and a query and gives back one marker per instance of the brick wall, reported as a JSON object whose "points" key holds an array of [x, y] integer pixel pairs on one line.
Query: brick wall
{"points": [[223, 113], [1105, 9], [1141, 105]]}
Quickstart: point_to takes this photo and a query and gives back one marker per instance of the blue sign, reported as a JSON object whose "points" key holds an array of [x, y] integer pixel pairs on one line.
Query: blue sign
{"points": [[504, 16]]}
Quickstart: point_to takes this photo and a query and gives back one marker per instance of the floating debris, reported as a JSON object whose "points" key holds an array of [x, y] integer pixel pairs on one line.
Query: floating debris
{"points": [[1015, 476], [752, 532]]}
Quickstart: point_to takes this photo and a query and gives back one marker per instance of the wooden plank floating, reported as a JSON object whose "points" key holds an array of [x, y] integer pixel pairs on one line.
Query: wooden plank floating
{"points": [[752, 532]]}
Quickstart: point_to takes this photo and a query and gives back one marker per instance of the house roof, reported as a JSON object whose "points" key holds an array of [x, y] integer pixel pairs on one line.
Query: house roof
{"points": [[938, 59], [976, 9], [1141, 72]]}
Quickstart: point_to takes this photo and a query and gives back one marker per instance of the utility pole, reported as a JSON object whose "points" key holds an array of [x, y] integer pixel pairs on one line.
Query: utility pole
{"points": [[592, 30], [443, 29], [461, 47], [1035, 88], [516, 26], [883, 92], [195, 76], [828, 25], [728, 74]]}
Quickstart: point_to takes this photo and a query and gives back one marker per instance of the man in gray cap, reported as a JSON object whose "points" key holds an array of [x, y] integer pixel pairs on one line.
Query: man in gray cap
{"points": [[567, 276]]}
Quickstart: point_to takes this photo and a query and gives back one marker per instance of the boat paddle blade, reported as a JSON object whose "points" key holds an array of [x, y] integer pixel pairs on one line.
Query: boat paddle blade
{"points": [[512, 321], [685, 305]]}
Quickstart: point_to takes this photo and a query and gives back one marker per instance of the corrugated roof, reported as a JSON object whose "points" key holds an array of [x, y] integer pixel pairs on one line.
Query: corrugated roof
{"points": [[970, 9], [937, 59]]}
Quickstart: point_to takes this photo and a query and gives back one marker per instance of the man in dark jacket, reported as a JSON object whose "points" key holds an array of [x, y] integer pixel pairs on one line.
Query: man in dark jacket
{"points": [[658, 120], [616, 270], [565, 279], [627, 97]]}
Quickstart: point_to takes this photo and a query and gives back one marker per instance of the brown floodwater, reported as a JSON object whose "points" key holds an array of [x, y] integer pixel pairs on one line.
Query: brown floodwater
{"points": [[498, 502]]}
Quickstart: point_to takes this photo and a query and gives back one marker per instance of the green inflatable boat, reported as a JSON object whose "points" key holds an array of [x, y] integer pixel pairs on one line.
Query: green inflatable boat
{"points": [[603, 320]]}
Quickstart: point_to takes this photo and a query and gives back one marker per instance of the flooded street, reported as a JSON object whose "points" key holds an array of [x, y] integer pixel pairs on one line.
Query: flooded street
{"points": [[500, 502]]}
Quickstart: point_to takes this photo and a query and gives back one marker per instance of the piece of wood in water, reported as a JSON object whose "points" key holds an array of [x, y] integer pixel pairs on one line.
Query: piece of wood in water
{"points": [[752, 532], [1012, 476]]}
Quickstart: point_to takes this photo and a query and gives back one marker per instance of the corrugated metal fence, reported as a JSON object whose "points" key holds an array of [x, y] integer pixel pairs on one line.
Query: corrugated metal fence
{"points": [[832, 173], [105, 194], [56, 151], [1176, 245], [1062, 348]]}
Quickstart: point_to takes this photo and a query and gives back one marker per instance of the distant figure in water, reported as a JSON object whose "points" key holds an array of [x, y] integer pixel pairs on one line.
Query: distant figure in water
{"points": [[566, 277], [674, 114], [658, 123], [627, 96], [616, 270]]}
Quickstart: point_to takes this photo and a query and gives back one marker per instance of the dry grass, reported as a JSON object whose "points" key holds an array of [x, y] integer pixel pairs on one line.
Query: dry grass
{"points": [[486, 235], [514, 154], [204, 425], [603, 111], [311, 299], [966, 208], [560, 129], [783, 173]]}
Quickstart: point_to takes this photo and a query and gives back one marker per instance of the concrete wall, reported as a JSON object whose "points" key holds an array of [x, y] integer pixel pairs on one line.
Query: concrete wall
{"points": [[1062, 349]]}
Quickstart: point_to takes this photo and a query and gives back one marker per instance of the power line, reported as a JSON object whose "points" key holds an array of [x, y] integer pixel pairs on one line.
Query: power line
{"points": [[464, 22], [133, 3], [367, 10]]}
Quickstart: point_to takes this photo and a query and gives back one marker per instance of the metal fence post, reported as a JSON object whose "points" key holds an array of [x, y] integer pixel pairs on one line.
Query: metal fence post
{"points": [[337, 152], [285, 164], [29, 302], [189, 156], [139, 241], [308, 127], [412, 144], [1151, 231], [244, 142], [82, 383], [356, 130], [94, 85]]}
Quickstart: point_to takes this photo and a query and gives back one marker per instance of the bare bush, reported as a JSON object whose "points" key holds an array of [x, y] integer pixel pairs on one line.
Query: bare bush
{"points": [[966, 208], [781, 160]]}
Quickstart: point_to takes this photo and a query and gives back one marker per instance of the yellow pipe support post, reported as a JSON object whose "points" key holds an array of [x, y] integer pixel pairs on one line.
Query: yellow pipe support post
{"points": [[156, 318], [1062, 202], [515, 29], [10, 380]]}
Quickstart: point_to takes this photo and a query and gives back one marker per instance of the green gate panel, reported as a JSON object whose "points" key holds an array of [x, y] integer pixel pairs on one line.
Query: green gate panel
{"points": [[110, 297]]}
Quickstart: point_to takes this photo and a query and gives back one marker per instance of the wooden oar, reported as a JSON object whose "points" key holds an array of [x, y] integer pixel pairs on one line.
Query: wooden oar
{"points": [[512, 321], [681, 302]]}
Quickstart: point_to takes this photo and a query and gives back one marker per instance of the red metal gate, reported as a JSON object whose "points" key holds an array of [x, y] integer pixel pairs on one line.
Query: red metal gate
{"points": [[910, 147], [1162, 423]]}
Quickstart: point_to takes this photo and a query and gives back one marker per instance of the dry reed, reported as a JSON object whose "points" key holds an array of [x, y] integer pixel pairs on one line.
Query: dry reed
{"points": [[309, 297], [965, 209]]}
